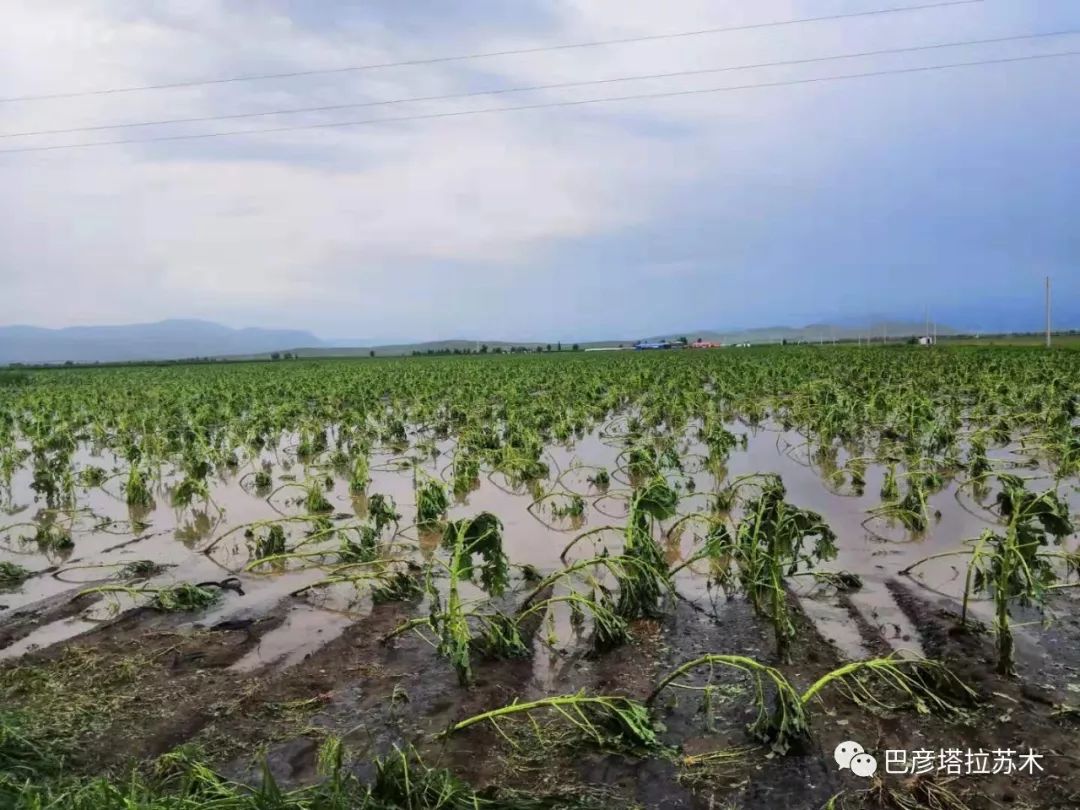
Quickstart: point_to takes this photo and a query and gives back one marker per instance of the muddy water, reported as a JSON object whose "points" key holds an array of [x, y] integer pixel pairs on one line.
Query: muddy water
{"points": [[304, 631], [206, 542]]}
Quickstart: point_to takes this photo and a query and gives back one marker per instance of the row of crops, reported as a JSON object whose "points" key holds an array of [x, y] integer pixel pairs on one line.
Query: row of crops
{"points": [[518, 507]]}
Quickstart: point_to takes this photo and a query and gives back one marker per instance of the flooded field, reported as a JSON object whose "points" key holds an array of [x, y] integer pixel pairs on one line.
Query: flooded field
{"points": [[633, 580]]}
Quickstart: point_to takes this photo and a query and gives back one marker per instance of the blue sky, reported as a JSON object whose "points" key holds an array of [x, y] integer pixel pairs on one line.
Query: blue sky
{"points": [[957, 189]]}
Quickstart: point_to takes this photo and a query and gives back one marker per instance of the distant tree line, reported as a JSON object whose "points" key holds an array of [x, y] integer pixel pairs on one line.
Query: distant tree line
{"points": [[278, 356], [180, 361], [485, 349]]}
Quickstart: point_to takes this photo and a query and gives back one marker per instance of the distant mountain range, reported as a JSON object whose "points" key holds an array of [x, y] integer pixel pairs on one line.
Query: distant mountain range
{"points": [[182, 339], [165, 340]]}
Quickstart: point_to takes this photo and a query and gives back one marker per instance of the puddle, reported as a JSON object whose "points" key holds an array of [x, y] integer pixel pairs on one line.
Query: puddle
{"points": [[836, 626], [207, 542], [46, 635], [304, 630]]}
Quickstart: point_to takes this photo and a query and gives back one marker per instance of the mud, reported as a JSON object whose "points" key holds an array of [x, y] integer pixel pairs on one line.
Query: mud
{"points": [[281, 667], [379, 695]]}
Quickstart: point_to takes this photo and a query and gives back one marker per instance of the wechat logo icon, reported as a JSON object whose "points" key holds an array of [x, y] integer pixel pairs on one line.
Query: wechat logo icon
{"points": [[851, 755]]}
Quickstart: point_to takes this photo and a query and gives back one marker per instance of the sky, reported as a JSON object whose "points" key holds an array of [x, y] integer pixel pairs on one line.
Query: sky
{"points": [[955, 190]]}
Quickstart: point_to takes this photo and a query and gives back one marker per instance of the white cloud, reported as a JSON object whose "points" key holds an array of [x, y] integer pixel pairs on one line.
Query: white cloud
{"points": [[339, 216], [313, 210], [268, 230]]}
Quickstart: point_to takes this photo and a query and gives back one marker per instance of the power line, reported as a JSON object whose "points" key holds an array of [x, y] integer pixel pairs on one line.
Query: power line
{"points": [[538, 87], [545, 105], [487, 54]]}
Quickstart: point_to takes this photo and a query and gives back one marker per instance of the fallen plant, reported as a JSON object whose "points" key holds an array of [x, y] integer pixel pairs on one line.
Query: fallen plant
{"points": [[609, 722], [11, 574], [886, 684], [178, 598]]}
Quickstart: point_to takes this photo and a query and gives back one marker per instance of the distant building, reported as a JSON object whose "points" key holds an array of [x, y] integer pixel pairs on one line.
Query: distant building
{"points": [[647, 345], [705, 344], [926, 340]]}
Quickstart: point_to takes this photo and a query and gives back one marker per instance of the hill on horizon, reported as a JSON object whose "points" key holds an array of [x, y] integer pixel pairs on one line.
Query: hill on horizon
{"points": [[164, 340], [181, 339], [813, 333]]}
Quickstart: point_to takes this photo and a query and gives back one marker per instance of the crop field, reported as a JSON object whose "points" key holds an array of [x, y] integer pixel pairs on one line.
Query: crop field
{"points": [[657, 580], [1064, 341]]}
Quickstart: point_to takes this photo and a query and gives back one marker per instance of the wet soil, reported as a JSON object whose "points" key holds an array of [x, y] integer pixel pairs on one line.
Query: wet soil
{"points": [[272, 673], [181, 687]]}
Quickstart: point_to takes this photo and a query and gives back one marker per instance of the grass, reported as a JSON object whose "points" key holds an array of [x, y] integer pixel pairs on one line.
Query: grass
{"points": [[22, 755], [183, 780], [59, 706]]}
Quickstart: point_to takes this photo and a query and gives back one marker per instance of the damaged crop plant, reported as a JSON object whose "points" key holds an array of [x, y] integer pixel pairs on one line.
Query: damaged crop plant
{"points": [[556, 559], [1017, 567]]}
